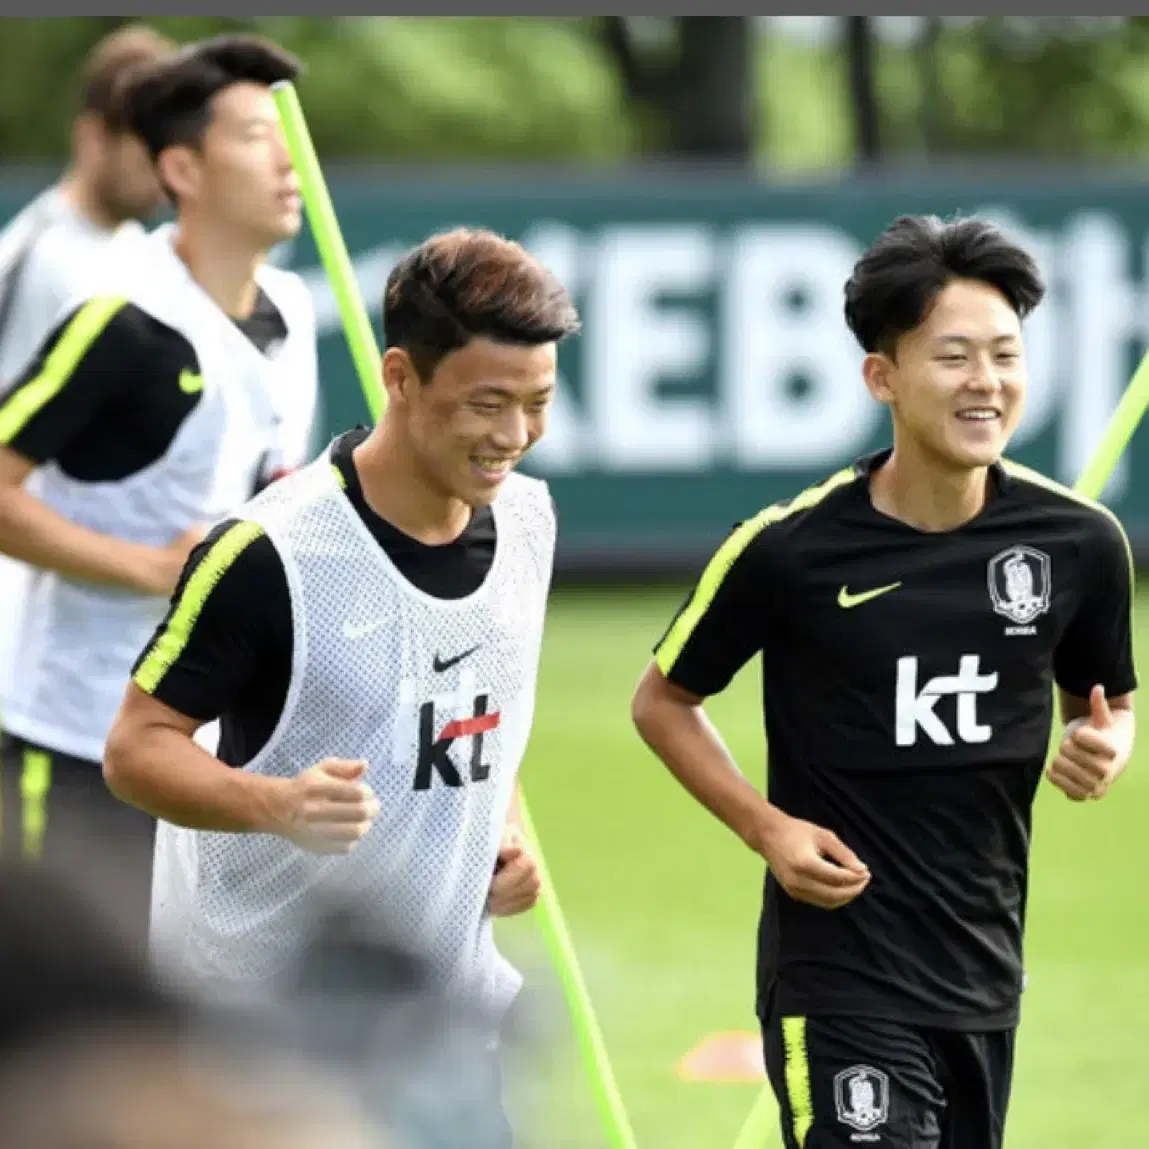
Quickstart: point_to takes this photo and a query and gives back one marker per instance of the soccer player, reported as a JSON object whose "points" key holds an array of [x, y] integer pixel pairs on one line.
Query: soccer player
{"points": [[53, 249], [912, 612], [367, 631], [151, 410]]}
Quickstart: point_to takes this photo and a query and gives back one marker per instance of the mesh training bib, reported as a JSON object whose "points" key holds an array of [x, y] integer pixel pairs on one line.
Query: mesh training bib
{"points": [[78, 640], [436, 695]]}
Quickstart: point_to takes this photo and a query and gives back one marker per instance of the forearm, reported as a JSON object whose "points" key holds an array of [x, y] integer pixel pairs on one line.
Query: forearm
{"points": [[35, 534], [163, 771], [691, 748]]}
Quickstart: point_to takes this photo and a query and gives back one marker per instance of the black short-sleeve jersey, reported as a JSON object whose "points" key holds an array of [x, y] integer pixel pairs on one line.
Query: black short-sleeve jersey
{"points": [[908, 702]]}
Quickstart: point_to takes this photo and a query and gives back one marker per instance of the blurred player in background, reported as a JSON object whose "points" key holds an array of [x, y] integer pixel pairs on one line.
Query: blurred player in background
{"points": [[912, 613], [50, 251], [368, 630], [152, 409]]}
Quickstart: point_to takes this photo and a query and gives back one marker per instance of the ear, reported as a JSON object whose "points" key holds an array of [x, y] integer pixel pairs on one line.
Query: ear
{"points": [[399, 375], [180, 171], [878, 371]]}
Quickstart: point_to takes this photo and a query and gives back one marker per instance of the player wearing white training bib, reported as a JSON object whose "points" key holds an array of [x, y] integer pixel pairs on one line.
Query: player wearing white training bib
{"points": [[151, 410], [367, 633], [434, 695], [71, 233]]}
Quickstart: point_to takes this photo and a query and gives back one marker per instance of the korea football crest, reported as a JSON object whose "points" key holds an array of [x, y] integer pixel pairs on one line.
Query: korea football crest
{"points": [[862, 1098], [1019, 584]]}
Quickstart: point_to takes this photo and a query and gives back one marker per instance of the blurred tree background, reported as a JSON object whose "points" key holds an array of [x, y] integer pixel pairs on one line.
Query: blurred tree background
{"points": [[784, 95]]}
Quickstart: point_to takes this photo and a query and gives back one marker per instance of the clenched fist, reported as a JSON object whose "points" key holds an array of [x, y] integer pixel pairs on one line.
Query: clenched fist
{"points": [[516, 884], [812, 864], [329, 808]]}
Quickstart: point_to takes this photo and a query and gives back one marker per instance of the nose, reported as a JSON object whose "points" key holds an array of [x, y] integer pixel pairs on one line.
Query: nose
{"points": [[282, 153], [513, 432], [984, 376]]}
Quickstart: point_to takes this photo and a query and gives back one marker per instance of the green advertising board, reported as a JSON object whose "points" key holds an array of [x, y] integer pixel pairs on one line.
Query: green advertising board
{"points": [[715, 374]]}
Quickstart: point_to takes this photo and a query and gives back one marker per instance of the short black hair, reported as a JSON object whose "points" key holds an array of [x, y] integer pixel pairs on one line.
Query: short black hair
{"points": [[468, 283], [894, 284], [170, 104]]}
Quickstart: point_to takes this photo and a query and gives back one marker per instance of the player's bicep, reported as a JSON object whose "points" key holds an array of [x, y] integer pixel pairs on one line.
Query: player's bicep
{"points": [[1097, 646], [142, 711], [719, 627], [75, 371], [208, 648]]}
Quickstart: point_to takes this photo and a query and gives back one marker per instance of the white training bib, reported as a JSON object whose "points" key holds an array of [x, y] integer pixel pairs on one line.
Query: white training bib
{"points": [[436, 695], [78, 641]]}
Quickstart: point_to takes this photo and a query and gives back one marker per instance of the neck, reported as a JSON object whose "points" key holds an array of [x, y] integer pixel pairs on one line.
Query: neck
{"points": [[915, 490], [81, 196], [399, 490], [222, 265]]}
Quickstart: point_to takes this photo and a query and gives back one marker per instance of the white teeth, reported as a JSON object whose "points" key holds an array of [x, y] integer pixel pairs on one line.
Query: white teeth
{"points": [[494, 464], [978, 414]]}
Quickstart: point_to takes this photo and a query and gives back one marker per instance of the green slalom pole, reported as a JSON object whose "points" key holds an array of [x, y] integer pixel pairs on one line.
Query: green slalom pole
{"points": [[365, 353], [1124, 421]]}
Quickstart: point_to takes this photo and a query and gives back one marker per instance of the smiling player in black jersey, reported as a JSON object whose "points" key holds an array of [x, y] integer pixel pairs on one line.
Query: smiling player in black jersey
{"points": [[913, 612]]}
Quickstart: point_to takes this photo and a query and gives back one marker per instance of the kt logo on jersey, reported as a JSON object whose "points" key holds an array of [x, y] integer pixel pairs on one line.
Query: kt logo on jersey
{"points": [[1020, 587], [450, 733]]}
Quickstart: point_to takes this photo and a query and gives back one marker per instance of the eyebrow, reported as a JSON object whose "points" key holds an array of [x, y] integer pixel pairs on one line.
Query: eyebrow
{"points": [[966, 339], [504, 393]]}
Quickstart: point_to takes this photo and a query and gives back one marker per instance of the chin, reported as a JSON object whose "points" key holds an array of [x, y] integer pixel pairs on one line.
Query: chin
{"points": [[283, 229], [970, 458], [478, 499]]}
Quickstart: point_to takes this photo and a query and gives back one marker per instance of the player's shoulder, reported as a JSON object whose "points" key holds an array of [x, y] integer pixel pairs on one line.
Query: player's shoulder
{"points": [[115, 323], [531, 494], [237, 548], [1094, 521], [811, 510], [521, 485]]}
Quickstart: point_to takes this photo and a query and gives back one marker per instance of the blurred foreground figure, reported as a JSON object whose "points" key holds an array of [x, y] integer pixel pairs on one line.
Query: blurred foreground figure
{"points": [[94, 1053]]}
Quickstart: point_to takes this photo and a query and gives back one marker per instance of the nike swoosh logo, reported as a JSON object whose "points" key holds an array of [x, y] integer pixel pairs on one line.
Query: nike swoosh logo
{"points": [[441, 664], [847, 600], [355, 630], [190, 381]]}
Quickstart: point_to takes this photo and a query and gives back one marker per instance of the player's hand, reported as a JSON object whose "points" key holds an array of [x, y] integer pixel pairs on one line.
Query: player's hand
{"points": [[516, 884], [813, 865], [1093, 752], [329, 807]]}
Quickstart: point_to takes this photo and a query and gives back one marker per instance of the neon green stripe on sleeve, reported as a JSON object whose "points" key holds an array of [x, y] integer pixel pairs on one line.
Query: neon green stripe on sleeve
{"points": [[176, 635], [726, 556], [80, 333]]}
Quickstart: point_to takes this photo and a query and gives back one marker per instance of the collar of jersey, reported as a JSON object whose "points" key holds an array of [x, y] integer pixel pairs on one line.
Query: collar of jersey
{"points": [[866, 465]]}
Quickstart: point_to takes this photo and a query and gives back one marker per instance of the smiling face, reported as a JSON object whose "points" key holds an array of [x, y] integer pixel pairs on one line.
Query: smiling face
{"points": [[484, 406], [956, 386]]}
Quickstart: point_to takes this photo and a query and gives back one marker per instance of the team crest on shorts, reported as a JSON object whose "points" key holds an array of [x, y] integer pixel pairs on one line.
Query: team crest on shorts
{"points": [[1019, 584], [862, 1095]]}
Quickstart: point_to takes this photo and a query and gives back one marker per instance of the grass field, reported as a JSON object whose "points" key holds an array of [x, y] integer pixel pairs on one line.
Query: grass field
{"points": [[663, 903]]}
